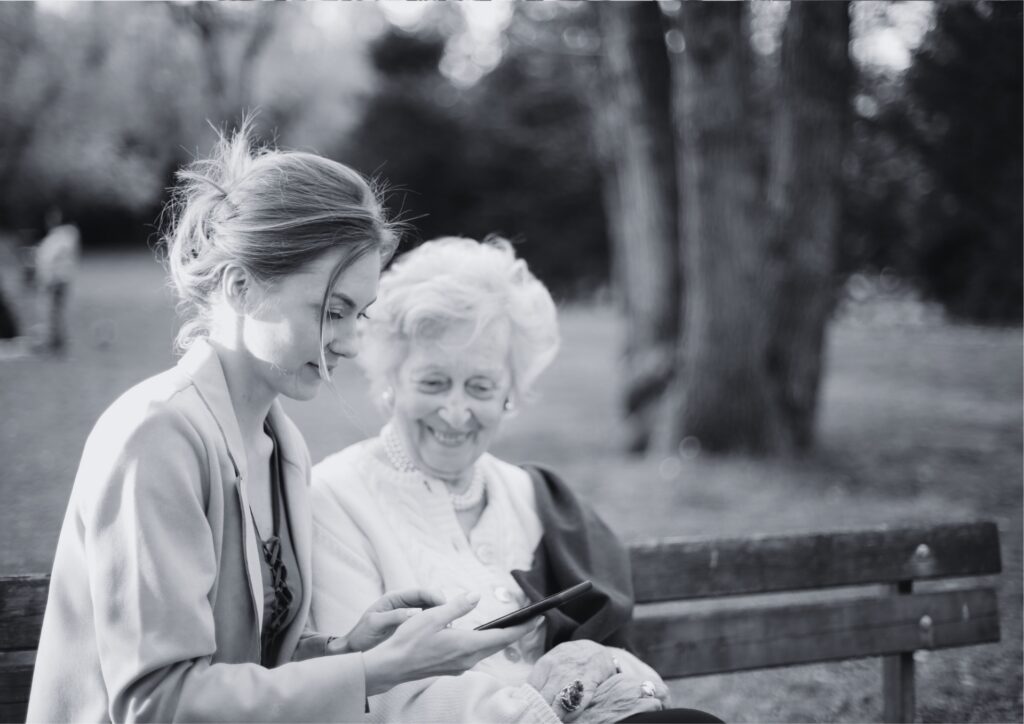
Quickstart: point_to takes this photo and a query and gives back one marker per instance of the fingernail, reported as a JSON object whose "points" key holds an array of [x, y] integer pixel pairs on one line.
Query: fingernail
{"points": [[472, 597]]}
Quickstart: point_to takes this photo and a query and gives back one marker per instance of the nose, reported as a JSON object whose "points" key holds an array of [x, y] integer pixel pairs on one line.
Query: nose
{"points": [[455, 411], [342, 342]]}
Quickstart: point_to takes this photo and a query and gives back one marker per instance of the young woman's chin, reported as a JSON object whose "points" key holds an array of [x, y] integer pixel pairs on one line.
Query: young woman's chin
{"points": [[305, 385]]}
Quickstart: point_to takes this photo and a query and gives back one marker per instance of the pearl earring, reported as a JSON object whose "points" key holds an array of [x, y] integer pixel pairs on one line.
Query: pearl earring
{"points": [[388, 395], [509, 405]]}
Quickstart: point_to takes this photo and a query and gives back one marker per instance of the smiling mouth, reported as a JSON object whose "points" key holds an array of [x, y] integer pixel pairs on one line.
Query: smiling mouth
{"points": [[450, 439]]}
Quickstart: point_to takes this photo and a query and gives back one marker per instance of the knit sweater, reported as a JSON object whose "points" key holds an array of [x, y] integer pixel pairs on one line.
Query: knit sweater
{"points": [[377, 529]]}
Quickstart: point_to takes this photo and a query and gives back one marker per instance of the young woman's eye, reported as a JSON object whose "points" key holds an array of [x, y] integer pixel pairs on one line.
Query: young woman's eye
{"points": [[334, 315]]}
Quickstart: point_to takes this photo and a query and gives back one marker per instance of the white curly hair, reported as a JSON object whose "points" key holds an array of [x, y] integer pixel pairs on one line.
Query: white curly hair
{"points": [[454, 280]]}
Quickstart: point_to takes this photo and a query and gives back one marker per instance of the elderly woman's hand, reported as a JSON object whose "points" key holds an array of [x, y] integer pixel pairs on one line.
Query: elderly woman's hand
{"points": [[584, 661], [385, 615], [622, 696]]}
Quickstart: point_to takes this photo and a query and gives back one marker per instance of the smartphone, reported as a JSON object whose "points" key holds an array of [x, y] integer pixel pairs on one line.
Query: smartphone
{"points": [[536, 609]]}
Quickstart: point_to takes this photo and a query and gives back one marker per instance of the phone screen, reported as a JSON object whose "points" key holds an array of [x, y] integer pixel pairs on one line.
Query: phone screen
{"points": [[535, 609]]}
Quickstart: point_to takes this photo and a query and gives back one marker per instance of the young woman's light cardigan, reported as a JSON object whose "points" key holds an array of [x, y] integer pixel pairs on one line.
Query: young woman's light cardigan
{"points": [[156, 601]]}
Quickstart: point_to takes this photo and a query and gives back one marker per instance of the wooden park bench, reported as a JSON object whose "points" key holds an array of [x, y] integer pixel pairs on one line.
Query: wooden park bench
{"points": [[884, 616]]}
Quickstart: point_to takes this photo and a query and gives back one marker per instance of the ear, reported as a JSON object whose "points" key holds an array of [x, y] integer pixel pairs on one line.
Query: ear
{"points": [[236, 287]]}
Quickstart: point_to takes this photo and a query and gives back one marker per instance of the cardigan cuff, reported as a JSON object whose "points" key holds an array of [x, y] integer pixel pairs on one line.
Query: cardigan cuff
{"points": [[536, 709], [311, 647]]}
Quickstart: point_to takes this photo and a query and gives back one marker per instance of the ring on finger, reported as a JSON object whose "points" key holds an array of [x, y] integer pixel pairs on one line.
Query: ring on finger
{"points": [[617, 665], [570, 697], [647, 689]]}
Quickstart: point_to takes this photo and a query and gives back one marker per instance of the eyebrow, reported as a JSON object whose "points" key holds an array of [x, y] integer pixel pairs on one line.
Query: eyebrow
{"points": [[430, 367], [347, 300]]}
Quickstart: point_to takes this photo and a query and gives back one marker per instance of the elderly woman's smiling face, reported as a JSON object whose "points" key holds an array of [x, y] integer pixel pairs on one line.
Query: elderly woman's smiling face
{"points": [[450, 398]]}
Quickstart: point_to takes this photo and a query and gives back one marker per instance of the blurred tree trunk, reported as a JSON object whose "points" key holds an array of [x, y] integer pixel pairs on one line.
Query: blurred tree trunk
{"points": [[759, 274], [229, 69], [8, 322], [24, 60], [810, 132], [722, 397], [632, 114]]}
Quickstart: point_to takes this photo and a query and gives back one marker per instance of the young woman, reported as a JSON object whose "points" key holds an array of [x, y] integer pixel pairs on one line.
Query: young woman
{"points": [[182, 578]]}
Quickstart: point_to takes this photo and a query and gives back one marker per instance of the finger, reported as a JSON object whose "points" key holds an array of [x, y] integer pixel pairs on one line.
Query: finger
{"points": [[593, 678], [505, 636], [389, 620], [589, 689], [539, 673], [648, 703], [409, 598], [445, 613], [651, 703], [480, 644]]}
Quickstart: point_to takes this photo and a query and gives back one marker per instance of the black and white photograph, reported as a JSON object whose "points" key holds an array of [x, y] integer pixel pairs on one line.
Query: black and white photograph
{"points": [[512, 361]]}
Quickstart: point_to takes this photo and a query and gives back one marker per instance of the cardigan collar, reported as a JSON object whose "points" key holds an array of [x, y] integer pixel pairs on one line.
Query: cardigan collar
{"points": [[202, 365]]}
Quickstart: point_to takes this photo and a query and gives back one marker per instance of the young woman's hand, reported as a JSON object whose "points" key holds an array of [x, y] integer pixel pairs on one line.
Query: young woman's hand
{"points": [[424, 646], [385, 615], [585, 661]]}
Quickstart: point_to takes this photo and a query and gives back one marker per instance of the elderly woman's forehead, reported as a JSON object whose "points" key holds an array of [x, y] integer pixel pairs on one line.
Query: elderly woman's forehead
{"points": [[462, 339], [463, 332]]}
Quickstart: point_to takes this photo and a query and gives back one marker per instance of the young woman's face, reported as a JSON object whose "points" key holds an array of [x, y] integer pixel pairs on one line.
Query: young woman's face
{"points": [[450, 397], [282, 332]]}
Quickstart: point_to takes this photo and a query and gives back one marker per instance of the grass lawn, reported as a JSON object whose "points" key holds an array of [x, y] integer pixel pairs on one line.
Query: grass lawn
{"points": [[917, 424]]}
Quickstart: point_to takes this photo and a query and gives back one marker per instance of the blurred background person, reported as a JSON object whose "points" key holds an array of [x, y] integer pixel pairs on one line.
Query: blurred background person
{"points": [[55, 263]]}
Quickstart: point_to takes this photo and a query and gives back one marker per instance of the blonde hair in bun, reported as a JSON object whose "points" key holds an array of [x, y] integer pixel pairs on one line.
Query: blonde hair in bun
{"points": [[271, 212]]}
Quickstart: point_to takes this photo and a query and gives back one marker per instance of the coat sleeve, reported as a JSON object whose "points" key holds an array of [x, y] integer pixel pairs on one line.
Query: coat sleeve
{"points": [[348, 580], [152, 566]]}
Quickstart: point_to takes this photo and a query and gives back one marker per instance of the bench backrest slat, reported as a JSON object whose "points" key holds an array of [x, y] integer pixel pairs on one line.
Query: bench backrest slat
{"points": [[709, 642], [742, 635], [682, 569], [22, 603]]}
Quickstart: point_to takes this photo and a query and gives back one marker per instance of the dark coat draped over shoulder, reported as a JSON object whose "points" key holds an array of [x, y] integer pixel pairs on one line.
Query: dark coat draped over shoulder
{"points": [[577, 546]]}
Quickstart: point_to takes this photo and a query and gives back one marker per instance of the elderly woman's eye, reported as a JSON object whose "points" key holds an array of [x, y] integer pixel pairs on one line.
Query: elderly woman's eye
{"points": [[432, 385], [481, 389]]}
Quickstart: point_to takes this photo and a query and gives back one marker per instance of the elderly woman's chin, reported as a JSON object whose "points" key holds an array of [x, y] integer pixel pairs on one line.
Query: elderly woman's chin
{"points": [[448, 456]]}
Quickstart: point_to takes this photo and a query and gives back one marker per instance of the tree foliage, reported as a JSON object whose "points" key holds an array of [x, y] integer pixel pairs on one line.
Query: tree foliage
{"points": [[102, 102], [963, 118], [510, 155], [935, 184]]}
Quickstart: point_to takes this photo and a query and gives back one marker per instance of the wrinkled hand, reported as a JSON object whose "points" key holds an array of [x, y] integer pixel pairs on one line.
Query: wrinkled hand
{"points": [[637, 669], [589, 662], [387, 613], [619, 697]]}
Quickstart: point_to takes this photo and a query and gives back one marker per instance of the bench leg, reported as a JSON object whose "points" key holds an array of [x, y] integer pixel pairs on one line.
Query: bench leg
{"points": [[898, 678]]}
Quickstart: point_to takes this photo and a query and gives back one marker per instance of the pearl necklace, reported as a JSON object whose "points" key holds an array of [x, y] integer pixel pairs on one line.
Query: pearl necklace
{"points": [[471, 497]]}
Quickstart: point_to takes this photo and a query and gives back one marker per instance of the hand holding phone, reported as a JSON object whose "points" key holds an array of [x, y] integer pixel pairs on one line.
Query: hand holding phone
{"points": [[536, 609]]}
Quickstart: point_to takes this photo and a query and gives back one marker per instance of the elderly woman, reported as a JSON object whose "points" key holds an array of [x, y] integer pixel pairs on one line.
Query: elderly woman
{"points": [[459, 333]]}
